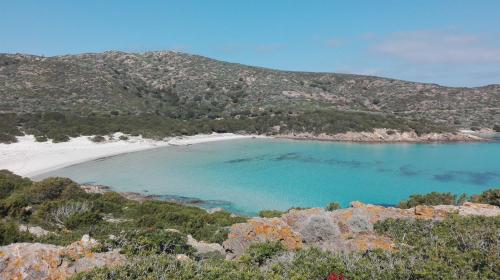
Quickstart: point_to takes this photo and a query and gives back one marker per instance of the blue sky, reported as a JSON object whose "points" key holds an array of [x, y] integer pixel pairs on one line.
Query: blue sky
{"points": [[450, 42]]}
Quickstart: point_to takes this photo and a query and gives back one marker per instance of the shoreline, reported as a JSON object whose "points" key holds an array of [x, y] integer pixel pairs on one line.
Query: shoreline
{"points": [[386, 136], [30, 158]]}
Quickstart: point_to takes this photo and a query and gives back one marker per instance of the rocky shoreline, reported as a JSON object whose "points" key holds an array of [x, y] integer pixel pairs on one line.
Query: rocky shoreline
{"points": [[182, 200], [382, 135]]}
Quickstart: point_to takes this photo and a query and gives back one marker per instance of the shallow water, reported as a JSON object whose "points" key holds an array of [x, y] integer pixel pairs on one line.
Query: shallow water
{"points": [[249, 175]]}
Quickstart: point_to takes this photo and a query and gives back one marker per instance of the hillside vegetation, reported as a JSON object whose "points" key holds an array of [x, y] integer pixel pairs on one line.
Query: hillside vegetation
{"points": [[188, 94], [152, 233]]}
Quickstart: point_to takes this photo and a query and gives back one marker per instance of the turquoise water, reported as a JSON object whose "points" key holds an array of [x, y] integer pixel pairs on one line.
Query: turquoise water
{"points": [[253, 174]]}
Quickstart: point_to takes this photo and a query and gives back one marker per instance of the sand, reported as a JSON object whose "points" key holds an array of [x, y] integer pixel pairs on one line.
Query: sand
{"points": [[30, 158]]}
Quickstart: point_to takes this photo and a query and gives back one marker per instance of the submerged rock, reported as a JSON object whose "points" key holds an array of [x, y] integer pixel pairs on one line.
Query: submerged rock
{"points": [[349, 229]]}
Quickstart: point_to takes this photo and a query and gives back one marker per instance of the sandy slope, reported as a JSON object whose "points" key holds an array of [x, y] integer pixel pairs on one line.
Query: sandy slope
{"points": [[31, 158]]}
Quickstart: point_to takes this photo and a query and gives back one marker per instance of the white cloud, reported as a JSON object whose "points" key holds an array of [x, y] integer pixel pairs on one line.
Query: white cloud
{"points": [[439, 47]]}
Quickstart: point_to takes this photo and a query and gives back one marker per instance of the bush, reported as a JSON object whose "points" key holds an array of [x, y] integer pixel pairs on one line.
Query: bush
{"points": [[10, 182], [97, 139], [49, 189], [7, 138], [491, 196], [16, 205], [9, 233], [261, 252], [83, 219], [123, 137], [496, 128], [270, 213], [433, 198], [333, 206], [142, 243], [41, 138], [60, 138]]}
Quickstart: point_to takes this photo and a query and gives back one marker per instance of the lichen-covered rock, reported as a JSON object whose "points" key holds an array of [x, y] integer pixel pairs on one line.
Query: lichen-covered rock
{"points": [[260, 230], [349, 229], [45, 261]]}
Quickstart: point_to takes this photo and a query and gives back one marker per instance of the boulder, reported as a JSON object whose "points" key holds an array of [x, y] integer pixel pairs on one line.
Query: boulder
{"points": [[35, 230], [203, 247], [45, 261]]}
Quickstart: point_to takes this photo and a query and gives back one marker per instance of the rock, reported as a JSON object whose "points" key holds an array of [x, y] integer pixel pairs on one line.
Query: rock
{"points": [[203, 247], [100, 189], [214, 210], [35, 230], [257, 230], [182, 258], [45, 261], [349, 229]]}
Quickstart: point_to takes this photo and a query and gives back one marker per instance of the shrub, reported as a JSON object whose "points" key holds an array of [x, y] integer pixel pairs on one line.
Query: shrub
{"points": [[433, 198], [333, 206], [49, 189], [142, 243], [491, 196], [41, 138], [123, 137], [7, 138], [16, 205], [270, 213], [9, 233], [71, 212], [261, 252], [58, 138], [82, 219], [496, 128], [97, 139], [10, 182]]}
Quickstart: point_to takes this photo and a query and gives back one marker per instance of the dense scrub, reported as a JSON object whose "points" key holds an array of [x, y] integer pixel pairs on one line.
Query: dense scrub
{"points": [[456, 248], [60, 126], [491, 196], [59, 205]]}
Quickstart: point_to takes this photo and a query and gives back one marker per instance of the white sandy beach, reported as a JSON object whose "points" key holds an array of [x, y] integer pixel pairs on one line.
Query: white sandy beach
{"points": [[30, 158]]}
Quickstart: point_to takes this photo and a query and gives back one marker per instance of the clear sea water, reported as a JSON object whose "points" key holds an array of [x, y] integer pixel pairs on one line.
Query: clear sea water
{"points": [[248, 175]]}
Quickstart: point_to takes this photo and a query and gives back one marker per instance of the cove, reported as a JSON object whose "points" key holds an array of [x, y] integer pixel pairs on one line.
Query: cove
{"points": [[249, 175]]}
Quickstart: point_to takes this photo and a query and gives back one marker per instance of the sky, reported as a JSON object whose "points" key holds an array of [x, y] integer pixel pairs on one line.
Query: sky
{"points": [[449, 42]]}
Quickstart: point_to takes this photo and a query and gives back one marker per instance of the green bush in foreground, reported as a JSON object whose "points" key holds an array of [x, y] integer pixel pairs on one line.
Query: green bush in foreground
{"points": [[9, 233]]}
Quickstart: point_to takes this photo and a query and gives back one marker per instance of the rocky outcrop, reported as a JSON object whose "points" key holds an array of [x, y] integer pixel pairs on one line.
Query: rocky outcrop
{"points": [[349, 229], [45, 261], [204, 247], [387, 135]]}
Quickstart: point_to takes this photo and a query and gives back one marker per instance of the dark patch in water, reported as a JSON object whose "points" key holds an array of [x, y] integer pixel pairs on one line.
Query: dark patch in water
{"points": [[408, 171], [475, 178], [288, 156], [248, 159]]}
